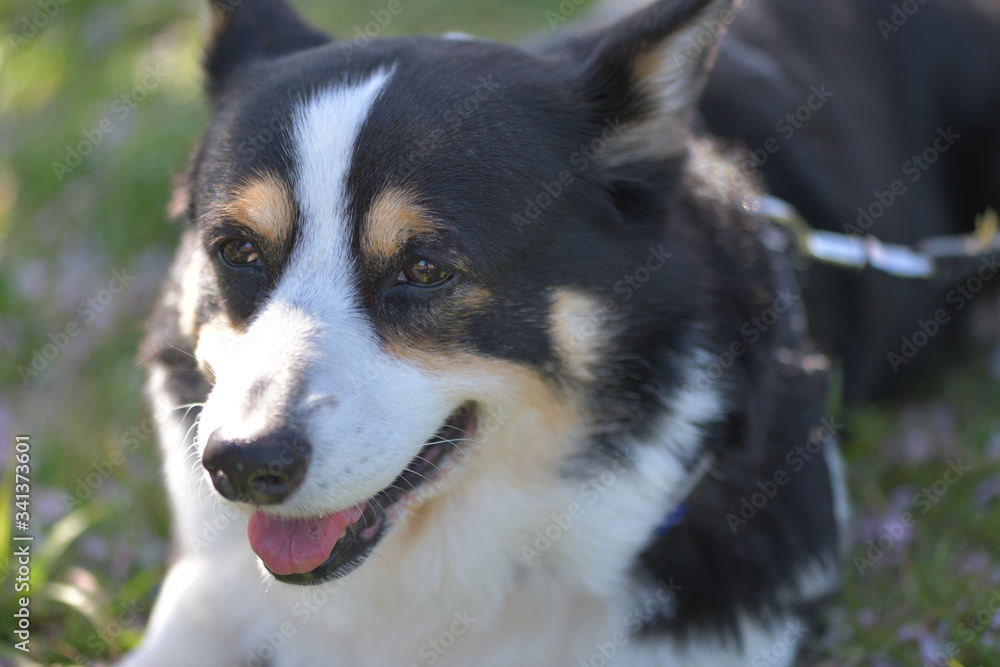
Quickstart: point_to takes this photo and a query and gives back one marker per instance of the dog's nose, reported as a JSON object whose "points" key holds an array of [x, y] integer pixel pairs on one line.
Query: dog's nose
{"points": [[263, 470]]}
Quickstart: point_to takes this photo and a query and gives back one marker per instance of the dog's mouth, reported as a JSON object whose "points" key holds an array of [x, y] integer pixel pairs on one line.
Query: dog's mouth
{"points": [[314, 550]]}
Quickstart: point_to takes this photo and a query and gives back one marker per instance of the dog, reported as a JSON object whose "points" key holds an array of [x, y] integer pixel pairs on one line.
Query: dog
{"points": [[477, 356]]}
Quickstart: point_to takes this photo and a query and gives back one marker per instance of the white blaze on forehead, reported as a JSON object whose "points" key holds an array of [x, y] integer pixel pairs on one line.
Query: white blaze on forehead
{"points": [[311, 355], [326, 127]]}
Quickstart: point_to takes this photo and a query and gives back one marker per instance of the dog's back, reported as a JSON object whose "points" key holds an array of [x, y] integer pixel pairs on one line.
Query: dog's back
{"points": [[870, 117]]}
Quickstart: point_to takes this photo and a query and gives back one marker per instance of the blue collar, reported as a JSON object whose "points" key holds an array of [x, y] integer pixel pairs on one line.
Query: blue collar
{"points": [[675, 517]]}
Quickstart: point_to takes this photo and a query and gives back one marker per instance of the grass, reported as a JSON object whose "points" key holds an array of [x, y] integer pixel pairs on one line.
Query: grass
{"points": [[123, 79], [921, 595]]}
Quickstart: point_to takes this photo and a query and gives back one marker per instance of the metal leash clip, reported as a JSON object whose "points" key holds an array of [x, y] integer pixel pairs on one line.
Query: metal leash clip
{"points": [[928, 261]]}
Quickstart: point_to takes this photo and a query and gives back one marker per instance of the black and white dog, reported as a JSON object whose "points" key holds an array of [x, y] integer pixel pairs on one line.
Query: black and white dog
{"points": [[485, 362]]}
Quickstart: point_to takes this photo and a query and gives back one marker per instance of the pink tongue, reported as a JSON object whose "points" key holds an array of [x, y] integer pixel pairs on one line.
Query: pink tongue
{"points": [[297, 546]]}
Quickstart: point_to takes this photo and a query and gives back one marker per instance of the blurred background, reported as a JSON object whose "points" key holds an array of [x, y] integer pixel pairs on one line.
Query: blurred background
{"points": [[100, 102]]}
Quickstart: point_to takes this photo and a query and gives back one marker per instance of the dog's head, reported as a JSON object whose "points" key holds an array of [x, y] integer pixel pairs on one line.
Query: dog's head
{"points": [[419, 260]]}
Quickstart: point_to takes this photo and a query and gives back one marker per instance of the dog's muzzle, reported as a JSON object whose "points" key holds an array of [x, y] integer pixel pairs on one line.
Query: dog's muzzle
{"points": [[267, 470]]}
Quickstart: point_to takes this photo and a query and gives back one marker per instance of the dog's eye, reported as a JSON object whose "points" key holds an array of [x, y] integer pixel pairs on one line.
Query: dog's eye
{"points": [[240, 253], [422, 273]]}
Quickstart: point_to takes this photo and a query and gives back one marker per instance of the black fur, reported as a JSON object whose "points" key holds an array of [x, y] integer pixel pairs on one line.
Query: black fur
{"points": [[892, 90]]}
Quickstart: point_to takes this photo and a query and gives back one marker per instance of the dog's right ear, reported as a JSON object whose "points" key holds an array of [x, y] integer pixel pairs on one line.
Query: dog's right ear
{"points": [[244, 31], [643, 76]]}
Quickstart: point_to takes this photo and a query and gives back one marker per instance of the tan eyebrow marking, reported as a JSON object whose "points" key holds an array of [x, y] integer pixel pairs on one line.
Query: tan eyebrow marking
{"points": [[393, 219], [263, 204]]}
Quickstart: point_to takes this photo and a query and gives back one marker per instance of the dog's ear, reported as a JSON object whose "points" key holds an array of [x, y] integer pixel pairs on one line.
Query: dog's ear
{"points": [[247, 30], [643, 76], [179, 206]]}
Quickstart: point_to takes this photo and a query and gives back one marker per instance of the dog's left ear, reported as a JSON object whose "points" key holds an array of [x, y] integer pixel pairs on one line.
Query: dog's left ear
{"points": [[644, 75], [244, 31]]}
